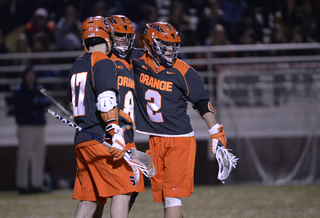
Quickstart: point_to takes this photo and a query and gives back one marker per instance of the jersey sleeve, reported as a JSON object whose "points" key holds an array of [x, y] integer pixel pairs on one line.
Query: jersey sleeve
{"points": [[196, 90], [104, 75]]}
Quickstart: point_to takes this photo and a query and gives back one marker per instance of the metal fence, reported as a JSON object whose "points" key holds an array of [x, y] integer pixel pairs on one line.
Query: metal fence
{"points": [[267, 96]]}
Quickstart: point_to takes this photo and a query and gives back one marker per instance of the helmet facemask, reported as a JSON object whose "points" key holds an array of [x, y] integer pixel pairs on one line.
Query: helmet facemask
{"points": [[122, 43], [165, 52]]}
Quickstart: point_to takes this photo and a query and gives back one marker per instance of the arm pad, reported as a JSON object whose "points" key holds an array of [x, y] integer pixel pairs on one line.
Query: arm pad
{"points": [[107, 105], [106, 101], [203, 106]]}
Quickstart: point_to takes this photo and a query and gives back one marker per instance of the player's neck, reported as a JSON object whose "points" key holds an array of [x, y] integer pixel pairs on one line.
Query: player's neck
{"points": [[100, 47]]}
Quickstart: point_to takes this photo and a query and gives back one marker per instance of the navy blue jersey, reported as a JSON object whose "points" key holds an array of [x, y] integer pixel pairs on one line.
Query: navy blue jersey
{"points": [[125, 87], [90, 75], [162, 95]]}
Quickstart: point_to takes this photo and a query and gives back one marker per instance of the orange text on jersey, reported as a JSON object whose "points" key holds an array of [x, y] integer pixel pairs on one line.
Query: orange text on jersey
{"points": [[156, 83], [125, 81]]}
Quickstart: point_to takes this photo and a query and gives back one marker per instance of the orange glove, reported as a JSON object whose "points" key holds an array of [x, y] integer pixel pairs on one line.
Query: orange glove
{"points": [[126, 120], [218, 137], [118, 143]]}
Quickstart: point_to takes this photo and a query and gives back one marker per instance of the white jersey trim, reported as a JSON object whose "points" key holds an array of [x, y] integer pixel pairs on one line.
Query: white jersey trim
{"points": [[165, 135]]}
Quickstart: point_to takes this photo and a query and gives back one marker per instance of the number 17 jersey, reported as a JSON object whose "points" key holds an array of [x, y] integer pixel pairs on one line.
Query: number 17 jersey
{"points": [[162, 95]]}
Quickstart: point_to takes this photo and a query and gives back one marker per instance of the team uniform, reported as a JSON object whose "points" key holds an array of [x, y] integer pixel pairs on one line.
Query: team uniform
{"points": [[98, 176], [126, 91], [161, 111], [125, 88]]}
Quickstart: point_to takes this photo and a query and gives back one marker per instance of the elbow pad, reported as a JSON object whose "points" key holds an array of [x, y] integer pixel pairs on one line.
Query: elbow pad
{"points": [[203, 106], [107, 105]]}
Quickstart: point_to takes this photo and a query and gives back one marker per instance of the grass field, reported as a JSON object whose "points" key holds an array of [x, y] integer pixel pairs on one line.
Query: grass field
{"points": [[206, 202]]}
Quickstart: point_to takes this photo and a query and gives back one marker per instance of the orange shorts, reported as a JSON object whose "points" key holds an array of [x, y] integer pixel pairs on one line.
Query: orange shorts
{"points": [[174, 160], [99, 177]]}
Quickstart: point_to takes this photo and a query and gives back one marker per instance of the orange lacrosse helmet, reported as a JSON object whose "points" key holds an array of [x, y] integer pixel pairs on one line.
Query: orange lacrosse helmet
{"points": [[96, 28], [162, 41], [122, 33]]}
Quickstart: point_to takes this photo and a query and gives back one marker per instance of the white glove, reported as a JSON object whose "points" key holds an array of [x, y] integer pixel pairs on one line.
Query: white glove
{"points": [[218, 137], [118, 142]]}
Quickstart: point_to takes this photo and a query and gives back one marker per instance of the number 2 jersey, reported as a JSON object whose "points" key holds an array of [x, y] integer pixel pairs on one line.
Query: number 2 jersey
{"points": [[162, 95], [90, 75]]}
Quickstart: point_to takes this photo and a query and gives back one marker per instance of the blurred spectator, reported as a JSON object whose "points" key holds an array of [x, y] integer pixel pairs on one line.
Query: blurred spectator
{"points": [[100, 9], [6, 17], [309, 24], [3, 48], [22, 46], [138, 10], [265, 8], [180, 20], [150, 15], [177, 16], [41, 43], [218, 36], [38, 24], [249, 21], [30, 118], [248, 38], [288, 17], [298, 35], [277, 36], [68, 29], [213, 15], [233, 10]]}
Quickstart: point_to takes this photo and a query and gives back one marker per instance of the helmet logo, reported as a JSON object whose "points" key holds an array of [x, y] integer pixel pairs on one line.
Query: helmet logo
{"points": [[157, 28], [113, 21], [169, 27], [106, 25]]}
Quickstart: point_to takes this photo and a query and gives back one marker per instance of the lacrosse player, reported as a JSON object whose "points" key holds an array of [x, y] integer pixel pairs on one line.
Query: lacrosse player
{"points": [[94, 92], [122, 37], [164, 85]]}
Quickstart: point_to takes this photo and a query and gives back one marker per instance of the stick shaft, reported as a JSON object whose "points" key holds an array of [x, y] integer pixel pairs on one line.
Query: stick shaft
{"points": [[127, 155], [55, 102], [57, 116]]}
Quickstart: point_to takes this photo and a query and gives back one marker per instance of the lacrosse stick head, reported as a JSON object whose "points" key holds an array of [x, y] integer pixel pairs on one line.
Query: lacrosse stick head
{"points": [[140, 160], [226, 161]]}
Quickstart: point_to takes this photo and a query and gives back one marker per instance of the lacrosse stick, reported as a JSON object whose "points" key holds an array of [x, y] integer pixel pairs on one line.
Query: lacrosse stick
{"points": [[226, 161], [122, 117], [135, 158], [54, 101]]}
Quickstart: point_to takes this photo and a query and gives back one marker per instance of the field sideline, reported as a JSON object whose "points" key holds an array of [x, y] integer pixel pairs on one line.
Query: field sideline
{"points": [[294, 201]]}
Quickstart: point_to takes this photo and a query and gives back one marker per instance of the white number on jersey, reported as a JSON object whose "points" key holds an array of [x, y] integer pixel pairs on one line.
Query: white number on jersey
{"points": [[128, 104], [154, 105], [78, 79]]}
